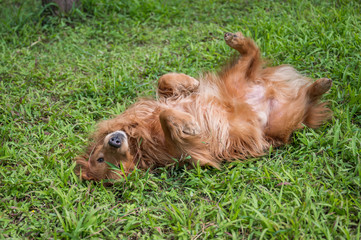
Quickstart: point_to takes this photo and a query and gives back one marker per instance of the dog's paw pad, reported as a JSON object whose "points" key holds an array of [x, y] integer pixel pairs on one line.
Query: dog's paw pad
{"points": [[234, 39], [320, 86], [228, 36], [324, 84]]}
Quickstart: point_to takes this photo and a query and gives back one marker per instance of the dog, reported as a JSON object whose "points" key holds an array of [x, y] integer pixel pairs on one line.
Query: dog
{"points": [[232, 115]]}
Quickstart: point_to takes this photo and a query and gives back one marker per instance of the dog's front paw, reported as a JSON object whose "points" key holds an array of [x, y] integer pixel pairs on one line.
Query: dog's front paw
{"points": [[179, 123], [234, 40], [191, 128]]}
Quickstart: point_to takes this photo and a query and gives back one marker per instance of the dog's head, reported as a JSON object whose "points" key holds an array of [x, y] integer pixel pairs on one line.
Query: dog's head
{"points": [[113, 149]]}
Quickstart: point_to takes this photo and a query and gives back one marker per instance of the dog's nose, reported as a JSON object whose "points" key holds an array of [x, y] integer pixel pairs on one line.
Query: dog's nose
{"points": [[116, 140]]}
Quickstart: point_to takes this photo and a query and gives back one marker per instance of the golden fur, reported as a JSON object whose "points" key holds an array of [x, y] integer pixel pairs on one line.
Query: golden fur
{"points": [[235, 114]]}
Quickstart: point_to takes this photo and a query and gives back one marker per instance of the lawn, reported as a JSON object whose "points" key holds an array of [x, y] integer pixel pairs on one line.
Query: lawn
{"points": [[59, 76]]}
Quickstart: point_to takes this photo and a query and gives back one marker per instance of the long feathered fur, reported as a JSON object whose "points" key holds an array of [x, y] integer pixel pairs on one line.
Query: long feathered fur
{"points": [[236, 113]]}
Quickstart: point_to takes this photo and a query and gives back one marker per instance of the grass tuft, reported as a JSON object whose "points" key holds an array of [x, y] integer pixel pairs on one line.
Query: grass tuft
{"points": [[60, 75]]}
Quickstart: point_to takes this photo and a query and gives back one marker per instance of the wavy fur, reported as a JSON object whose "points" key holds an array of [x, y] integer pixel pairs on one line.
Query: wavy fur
{"points": [[235, 114]]}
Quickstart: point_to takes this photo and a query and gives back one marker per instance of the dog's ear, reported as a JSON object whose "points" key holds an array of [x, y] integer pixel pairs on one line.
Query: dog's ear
{"points": [[82, 160], [82, 165]]}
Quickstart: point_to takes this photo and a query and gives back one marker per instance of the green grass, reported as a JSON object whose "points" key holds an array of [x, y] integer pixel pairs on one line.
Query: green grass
{"points": [[59, 76]]}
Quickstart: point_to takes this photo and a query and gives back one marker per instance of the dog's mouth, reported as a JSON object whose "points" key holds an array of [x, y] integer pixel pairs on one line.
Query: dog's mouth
{"points": [[85, 176], [107, 182]]}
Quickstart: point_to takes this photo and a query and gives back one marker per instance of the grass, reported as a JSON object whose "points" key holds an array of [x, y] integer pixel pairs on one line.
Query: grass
{"points": [[60, 75]]}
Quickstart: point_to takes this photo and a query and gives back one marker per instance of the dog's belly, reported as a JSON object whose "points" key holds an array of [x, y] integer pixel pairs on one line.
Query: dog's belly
{"points": [[256, 98]]}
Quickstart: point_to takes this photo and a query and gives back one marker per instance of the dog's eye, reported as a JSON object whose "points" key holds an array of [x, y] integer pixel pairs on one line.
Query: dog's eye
{"points": [[100, 159]]}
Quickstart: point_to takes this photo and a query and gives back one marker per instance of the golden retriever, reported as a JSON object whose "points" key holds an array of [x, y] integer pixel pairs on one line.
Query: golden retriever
{"points": [[238, 113]]}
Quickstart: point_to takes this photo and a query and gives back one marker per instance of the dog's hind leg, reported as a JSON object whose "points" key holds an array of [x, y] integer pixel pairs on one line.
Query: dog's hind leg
{"points": [[176, 84], [318, 88], [292, 113], [184, 137], [249, 65], [317, 112]]}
